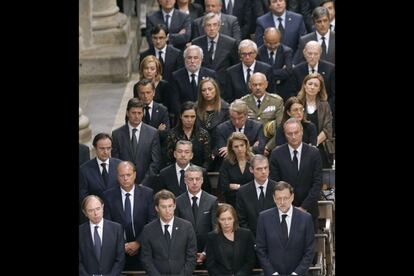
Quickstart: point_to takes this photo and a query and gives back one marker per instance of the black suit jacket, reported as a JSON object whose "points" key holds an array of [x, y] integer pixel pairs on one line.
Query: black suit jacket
{"points": [[296, 255], [178, 21], [281, 69], [167, 179], [143, 211], [247, 204], [242, 9], [91, 181], [252, 129], [112, 253], [224, 56], [148, 156], [243, 257], [235, 83], [172, 62], [182, 90], [206, 215], [179, 258], [307, 182]]}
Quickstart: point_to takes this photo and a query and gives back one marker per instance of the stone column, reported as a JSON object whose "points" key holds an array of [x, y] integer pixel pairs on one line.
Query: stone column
{"points": [[85, 132], [109, 44]]}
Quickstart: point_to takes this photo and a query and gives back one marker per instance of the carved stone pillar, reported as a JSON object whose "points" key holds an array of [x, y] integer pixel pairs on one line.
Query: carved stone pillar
{"points": [[85, 132], [112, 45]]}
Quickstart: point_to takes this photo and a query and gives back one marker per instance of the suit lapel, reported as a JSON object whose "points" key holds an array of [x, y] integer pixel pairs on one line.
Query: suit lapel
{"points": [[99, 175]]}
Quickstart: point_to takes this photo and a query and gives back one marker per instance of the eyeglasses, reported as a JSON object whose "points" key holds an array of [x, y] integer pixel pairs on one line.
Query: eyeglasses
{"points": [[91, 211], [247, 54], [301, 110]]}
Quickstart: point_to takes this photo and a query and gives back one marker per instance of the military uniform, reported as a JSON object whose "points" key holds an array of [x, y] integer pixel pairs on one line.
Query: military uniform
{"points": [[271, 109]]}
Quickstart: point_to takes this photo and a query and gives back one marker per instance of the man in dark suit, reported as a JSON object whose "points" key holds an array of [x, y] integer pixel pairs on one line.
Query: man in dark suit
{"points": [[256, 195], [322, 34], [229, 24], [330, 6], [239, 122], [290, 23], [299, 164], [220, 51], [155, 114], [101, 242], [139, 143], [132, 206], [169, 245], [170, 57], [198, 207], [184, 88], [279, 57], [312, 53], [237, 76], [285, 240], [242, 9], [172, 177], [98, 174], [177, 22], [84, 155]]}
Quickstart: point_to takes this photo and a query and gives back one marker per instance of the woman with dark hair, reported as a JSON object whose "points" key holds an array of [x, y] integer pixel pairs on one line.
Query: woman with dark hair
{"points": [[187, 129], [230, 248], [234, 171], [294, 107]]}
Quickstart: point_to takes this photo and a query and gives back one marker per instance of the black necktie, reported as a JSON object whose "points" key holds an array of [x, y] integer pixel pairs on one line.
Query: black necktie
{"points": [[104, 174], [194, 85], [128, 219], [248, 76], [182, 184], [280, 27], [160, 58], [295, 159], [195, 208], [134, 141], [284, 227], [313, 70], [229, 7], [147, 118], [272, 59], [167, 234], [240, 129], [323, 45], [167, 21], [261, 199], [211, 51], [258, 103], [98, 244]]}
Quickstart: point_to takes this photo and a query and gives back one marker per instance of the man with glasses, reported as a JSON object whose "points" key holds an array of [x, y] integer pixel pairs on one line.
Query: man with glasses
{"points": [[285, 240], [98, 174], [170, 57], [132, 206], [101, 242], [299, 164], [238, 75]]}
